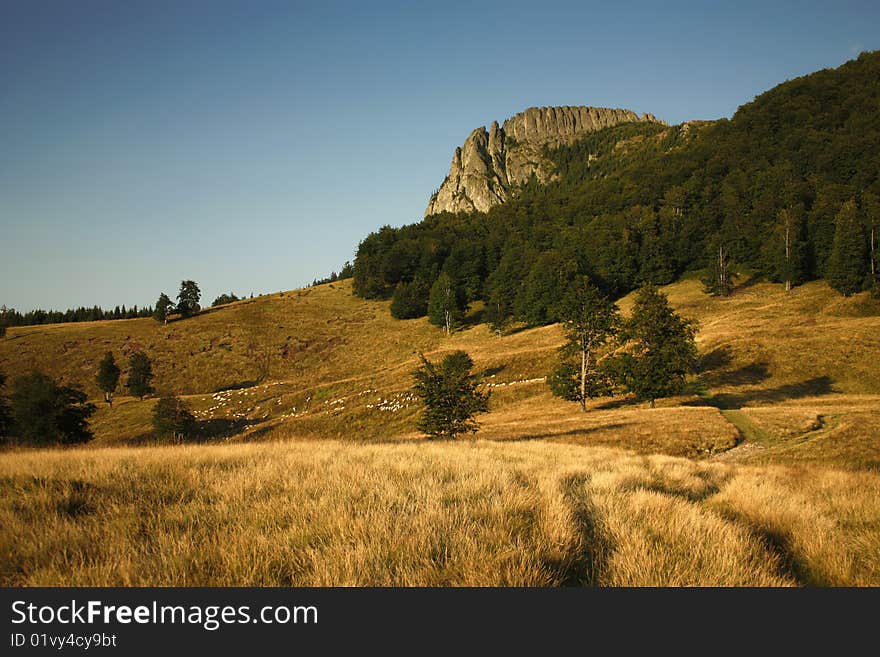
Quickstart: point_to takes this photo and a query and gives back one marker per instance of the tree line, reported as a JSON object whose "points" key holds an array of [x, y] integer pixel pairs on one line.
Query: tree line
{"points": [[789, 189], [40, 411]]}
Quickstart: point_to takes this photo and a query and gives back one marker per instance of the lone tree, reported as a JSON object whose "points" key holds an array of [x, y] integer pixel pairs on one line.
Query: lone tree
{"points": [[848, 259], [589, 320], [449, 392], [46, 413], [164, 307], [446, 304], [140, 373], [108, 377], [172, 417], [660, 348], [188, 298]]}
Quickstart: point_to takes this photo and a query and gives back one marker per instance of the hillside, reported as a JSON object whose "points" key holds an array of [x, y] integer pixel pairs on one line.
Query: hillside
{"points": [[792, 373]]}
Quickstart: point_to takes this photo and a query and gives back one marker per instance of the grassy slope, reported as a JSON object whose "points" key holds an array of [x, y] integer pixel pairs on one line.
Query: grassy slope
{"points": [[322, 363], [793, 374]]}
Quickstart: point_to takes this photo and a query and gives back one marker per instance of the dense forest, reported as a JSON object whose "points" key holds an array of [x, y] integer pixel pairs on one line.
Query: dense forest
{"points": [[12, 317], [787, 189]]}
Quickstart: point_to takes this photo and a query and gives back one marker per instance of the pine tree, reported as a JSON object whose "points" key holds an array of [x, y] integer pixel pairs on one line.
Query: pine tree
{"points": [[660, 348], [172, 417], [847, 263], [164, 307], [46, 413], [589, 320], [108, 377], [450, 395], [446, 304], [188, 298], [871, 210], [140, 374]]}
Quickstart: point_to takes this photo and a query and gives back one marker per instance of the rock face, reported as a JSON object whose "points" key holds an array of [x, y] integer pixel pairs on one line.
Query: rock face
{"points": [[487, 169]]}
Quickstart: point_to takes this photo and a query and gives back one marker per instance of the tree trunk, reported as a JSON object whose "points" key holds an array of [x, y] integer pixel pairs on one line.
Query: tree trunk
{"points": [[446, 317], [652, 403], [873, 256], [584, 363]]}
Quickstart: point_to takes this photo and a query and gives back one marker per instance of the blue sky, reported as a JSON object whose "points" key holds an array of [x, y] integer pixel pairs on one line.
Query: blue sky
{"points": [[251, 145]]}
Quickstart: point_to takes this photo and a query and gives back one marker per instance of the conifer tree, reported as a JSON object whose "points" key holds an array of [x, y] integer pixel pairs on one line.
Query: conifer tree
{"points": [[660, 348], [108, 377], [164, 307], [188, 298], [140, 374], [847, 263]]}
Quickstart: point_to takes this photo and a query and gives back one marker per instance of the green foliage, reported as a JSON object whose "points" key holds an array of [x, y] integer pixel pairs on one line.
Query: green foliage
{"points": [[173, 418], [660, 348], [718, 277], [848, 263], [140, 375], [785, 253], [450, 395], [188, 298], [590, 319], [645, 203], [446, 303], [108, 377], [223, 299], [47, 413], [164, 307], [410, 300], [539, 297]]}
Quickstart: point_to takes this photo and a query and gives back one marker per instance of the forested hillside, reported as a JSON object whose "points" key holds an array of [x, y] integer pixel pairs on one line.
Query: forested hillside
{"points": [[787, 189]]}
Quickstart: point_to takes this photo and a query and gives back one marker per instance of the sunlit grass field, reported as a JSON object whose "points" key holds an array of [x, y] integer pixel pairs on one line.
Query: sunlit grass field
{"points": [[308, 470], [423, 514]]}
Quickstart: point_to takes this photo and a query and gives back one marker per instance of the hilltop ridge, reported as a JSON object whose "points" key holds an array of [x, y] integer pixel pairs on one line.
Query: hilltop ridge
{"points": [[491, 163]]}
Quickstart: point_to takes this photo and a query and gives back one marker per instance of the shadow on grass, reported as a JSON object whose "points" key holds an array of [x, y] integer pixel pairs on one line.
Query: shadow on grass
{"points": [[240, 385], [815, 387], [574, 433]]}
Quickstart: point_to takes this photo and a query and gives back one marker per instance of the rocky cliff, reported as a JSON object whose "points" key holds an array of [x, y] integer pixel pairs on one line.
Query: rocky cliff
{"points": [[486, 170]]}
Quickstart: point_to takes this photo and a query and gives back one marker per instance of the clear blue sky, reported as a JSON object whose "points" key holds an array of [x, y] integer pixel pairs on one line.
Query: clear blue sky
{"points": [[251, 145]]}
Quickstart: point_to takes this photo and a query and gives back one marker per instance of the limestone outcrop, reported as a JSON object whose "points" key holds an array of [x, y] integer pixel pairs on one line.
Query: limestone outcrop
{"points": [[487, 169]]}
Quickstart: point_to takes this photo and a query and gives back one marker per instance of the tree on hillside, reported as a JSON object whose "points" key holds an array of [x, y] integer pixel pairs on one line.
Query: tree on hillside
{"points": [[108, 377], [659, 348], [164, 307], [784, 251], [719, 276], [188, 298], [589, 320], [140, 374], [223, 299], [846, 264], [172, 417], [47, 413], [450, 395], [871, 210], [446, 304]]}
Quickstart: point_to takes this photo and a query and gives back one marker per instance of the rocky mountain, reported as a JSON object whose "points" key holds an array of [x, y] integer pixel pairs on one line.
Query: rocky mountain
{"points": [[486, 170]]}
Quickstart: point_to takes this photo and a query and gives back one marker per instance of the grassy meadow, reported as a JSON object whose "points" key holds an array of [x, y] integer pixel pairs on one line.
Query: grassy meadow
{"points": [[308, 469], [462, 513]]}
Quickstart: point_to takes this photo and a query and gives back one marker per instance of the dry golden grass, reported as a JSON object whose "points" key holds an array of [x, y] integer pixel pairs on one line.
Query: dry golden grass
{"points": [[446, 513]]}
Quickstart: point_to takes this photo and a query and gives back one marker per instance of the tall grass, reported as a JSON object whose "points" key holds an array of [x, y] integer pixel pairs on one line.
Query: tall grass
{"points": [[457, 513]]}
